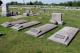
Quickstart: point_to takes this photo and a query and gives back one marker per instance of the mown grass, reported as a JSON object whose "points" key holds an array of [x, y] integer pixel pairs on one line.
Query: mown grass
{"points": [[19, 42]]}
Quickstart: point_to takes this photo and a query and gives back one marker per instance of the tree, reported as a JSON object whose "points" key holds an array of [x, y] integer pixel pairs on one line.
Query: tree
{"points": [[35, 3], [70, 3], [1, 2], [14, 3]]}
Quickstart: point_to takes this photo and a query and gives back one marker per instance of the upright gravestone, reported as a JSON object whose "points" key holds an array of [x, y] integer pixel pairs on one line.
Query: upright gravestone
{"points": [[4, 9], [27, 13], [57, 18]]}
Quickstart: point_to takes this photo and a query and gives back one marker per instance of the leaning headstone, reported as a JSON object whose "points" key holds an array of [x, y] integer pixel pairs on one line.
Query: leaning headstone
{"points": [[56, 18], [4, 9]]}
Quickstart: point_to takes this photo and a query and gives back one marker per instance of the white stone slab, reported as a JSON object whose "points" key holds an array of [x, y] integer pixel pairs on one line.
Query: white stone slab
{"points": [[40, 30], [9, 24], [64, 36], [56, 18], [18, 27]]}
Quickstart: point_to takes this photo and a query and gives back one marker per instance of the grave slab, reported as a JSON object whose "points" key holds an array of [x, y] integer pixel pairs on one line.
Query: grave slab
{"points": [[9, 24], [64, 36], [40, 30], [18, 27]]}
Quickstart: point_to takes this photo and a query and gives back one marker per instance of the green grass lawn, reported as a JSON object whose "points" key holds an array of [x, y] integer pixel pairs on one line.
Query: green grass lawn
{"points": [[19, 42]]}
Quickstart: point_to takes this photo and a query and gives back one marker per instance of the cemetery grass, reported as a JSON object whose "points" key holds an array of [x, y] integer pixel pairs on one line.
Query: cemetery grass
{"points": [[19, 42]]}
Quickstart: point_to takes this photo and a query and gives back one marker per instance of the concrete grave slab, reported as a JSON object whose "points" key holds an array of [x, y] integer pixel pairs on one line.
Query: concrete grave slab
{"points": [[9, 24], [18, 27], [64, 36], [41, 30]]}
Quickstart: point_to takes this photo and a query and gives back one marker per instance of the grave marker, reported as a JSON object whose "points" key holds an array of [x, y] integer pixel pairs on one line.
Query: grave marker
{"points": [[56, 18], [4, 9], [36, 32], [64, 36]]}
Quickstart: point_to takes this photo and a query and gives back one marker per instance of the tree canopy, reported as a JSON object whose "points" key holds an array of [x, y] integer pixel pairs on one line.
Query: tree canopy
{"points": [[69, 3], [0, 2]]}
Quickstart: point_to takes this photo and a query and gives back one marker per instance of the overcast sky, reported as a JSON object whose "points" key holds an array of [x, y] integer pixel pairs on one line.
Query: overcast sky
{"points": [[44, 1]]}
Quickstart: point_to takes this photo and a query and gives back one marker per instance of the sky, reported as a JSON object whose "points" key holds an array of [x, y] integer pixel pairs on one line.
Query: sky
{"points": [[44, 1]]}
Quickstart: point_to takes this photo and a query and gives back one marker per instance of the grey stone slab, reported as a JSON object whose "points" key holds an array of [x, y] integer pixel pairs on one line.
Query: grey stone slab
{"points": [[41, 30], [9, 24], [64, 36], [18, 27]]}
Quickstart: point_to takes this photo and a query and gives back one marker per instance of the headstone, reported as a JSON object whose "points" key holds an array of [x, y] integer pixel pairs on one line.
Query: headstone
{"points": [[4, 9], [27, 13], [56, 18]]}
